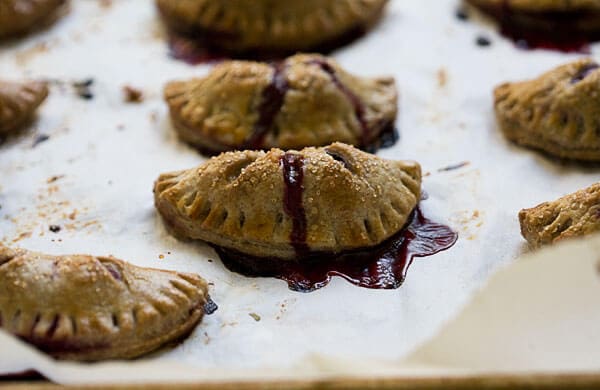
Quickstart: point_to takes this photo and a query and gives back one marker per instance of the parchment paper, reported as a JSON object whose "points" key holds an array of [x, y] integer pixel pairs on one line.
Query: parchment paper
{"points": [[93, 177]]}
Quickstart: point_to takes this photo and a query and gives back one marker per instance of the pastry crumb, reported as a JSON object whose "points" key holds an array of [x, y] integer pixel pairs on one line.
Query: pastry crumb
{"points": [[154, 117], [39, 139], [54, 228], [454, 166], [255, 316], [54, 178], [442, 78], [83, 88], [21, 236], [132, 94]]}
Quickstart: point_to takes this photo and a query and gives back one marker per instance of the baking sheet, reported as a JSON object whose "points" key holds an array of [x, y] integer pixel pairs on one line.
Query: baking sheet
{"points": [[543, 324], [93, 177]]}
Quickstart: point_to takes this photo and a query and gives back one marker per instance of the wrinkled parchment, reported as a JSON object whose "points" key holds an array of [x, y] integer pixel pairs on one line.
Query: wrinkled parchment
{"points": [[93, 177]]}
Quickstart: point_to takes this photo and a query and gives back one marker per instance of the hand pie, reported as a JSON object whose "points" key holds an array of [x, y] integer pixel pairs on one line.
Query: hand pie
{"points": [[539, 6], [307, 100], [572, 215], [272, 25], [552, 20], [91, 308], [557, 113], [20, 16], [18, 103], [284, 205]]}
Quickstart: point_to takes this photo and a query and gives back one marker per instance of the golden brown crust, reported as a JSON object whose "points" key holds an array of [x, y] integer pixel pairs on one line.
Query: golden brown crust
{"points": [[352, 200], [573, 215], [18, 103], [557, 112], [21, 16], [319, 104], [92, 308], [290, 26]]}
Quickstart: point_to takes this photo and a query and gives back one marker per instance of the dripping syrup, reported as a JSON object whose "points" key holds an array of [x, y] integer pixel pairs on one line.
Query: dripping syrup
{"points": [[382, 267]]}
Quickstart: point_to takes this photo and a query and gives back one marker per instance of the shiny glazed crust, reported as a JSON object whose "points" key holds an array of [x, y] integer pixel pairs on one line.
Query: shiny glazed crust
{"points": [[18, 17], [235, 200], [573, 215], [556, 113], [222, 110], [290, 26], [18, 103], [92, 308]]}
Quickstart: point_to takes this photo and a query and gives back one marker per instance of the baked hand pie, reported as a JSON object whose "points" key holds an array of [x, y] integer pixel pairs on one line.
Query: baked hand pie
{"points": [[306, 100], [286, 205], [18, 103], [573, 215], [545, 21], [556, 113], [18, 17], [92, 308], [242, 26]]}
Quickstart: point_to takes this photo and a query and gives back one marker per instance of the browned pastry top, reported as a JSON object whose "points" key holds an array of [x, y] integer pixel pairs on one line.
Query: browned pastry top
{"points": [[90, 308], [290, 26], [573, 215], [18, 103], [250, 201], [20, 16], [557, 112], [308, 100]]}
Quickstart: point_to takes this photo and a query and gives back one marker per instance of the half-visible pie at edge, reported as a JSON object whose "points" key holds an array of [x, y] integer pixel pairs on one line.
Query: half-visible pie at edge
{"points": [[18, 17], [89, 308], [557, 112], [18, 103], [573, 215], [243, 26]]}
